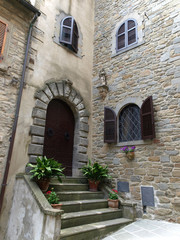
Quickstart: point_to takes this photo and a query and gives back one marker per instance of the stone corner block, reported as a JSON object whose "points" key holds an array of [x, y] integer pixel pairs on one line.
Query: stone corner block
{"points": [[39, 113], [60, 86], [35, 149], [53, 88], [84, 127], [37, 130], [41, 96], [32, 158], [48, 92], [40, 104]]}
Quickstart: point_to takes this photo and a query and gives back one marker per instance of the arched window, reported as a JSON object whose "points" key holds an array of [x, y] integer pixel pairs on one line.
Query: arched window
{"points": [[3, 31], [126, 34], [130, 123], [69, 33], [134, 123]]}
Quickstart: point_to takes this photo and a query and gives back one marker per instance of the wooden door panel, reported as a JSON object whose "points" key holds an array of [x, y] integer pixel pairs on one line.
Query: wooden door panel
{"points": [[59, 134]]}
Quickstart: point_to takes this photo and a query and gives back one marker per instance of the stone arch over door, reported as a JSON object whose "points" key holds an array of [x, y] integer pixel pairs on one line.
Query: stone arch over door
{"points": [[64, 91]]}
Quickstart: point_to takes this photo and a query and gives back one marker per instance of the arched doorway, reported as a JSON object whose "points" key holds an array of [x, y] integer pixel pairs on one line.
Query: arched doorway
{"points": [[59, 134]]}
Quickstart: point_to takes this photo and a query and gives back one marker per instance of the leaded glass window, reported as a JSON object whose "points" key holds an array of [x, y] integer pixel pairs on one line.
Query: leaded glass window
{"points": [[130, 123]]}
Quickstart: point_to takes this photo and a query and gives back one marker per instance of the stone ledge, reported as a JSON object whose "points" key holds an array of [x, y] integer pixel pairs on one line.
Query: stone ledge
{"points": [[128, 208], [39, 196]]}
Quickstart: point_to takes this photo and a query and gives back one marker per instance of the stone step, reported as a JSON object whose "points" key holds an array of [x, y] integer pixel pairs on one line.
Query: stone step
{"points": [[83, 205], [70, 180], [91, 216], [79, 195], [62, 187], [93, 231]]}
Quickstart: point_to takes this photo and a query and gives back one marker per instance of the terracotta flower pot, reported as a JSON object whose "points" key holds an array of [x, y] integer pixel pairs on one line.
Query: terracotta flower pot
{"points": [[113, 203], [130, 155], [93, 185], [43, 184], [57, 205]]}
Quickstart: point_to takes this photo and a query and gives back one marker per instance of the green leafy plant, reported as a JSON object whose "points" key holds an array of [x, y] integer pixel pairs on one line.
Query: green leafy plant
{"points": [[113, 195], [52, 197], [46, 168], [95, 172]]}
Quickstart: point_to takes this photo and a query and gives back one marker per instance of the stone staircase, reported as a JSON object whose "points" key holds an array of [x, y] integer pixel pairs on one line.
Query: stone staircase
{"points": [[86, 214]]}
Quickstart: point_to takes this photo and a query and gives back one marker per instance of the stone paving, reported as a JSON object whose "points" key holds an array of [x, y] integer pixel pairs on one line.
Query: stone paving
{"points": [[147, 229]]}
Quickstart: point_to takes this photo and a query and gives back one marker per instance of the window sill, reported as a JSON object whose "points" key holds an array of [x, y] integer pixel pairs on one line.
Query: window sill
{"points": [[114, 54], [134, 143], [78, 54]]}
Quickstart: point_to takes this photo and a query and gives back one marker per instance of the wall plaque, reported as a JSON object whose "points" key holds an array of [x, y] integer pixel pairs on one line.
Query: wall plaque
{"points": [[147, 196], [123, 186]]}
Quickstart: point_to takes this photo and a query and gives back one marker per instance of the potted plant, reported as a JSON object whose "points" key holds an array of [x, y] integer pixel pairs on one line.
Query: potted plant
{"points": [[53, 199], [129, 151], [95, 173], [44, 170], [113, 201]]}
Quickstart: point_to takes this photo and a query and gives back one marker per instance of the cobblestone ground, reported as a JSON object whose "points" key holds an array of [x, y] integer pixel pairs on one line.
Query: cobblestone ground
{"points": [[147, 229]]}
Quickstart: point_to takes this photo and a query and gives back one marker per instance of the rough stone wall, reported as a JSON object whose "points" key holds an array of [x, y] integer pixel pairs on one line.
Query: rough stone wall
{"points": [[153, 68], [10, 70]]}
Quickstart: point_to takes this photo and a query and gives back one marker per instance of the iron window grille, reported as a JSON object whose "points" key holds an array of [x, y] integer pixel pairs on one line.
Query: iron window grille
{"points": [[69, 33], [130, 123], [134, 123], [126, 34]]}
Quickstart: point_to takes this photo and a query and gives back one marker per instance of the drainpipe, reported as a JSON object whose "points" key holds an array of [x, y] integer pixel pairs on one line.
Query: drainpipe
{"points": [[4, 183]]}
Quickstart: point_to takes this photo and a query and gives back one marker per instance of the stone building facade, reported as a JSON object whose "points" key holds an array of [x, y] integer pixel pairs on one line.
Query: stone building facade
{"points": [[11, 69], [129, 64], [136, 69]]}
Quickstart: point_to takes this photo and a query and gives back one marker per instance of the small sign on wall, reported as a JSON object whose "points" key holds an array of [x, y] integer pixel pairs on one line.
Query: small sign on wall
{"points": [[147, 194], [123, 187]]}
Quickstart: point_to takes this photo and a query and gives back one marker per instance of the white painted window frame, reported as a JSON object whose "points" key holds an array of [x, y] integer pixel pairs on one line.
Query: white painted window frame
{"points": [[65, 26], [126, 34]]}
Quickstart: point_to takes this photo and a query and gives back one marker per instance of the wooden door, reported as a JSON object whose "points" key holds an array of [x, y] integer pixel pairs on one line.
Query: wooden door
{"points": [[59, 134]]}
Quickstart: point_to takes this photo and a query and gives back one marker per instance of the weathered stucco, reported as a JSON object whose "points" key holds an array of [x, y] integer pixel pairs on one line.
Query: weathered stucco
{"points": [[28, 219], [47, 60]]}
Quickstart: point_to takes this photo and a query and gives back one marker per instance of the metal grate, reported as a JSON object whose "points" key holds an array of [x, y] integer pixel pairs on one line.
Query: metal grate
{"points": [[130, 123]]}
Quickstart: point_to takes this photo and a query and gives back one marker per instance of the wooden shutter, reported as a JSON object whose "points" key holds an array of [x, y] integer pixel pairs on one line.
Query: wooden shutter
{"points": [[3, 30], [147, 119], [110, 135], [75, 37]]}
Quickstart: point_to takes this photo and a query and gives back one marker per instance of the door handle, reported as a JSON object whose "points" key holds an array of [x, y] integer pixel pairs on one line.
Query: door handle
{"points": [[50, 132], [66, 135]]}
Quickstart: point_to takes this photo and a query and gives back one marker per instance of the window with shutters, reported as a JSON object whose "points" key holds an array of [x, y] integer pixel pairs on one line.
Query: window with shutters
{"points": [[69, 33], [135, 123], [126, 34], [3, 31]]}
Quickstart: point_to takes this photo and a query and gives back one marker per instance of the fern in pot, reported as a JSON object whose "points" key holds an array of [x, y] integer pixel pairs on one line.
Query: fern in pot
{"points": [[44, 169], [95, 174]]}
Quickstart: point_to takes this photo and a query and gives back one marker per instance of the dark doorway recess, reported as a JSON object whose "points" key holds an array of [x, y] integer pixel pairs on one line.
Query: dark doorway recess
{"points": [[59, 134]]}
